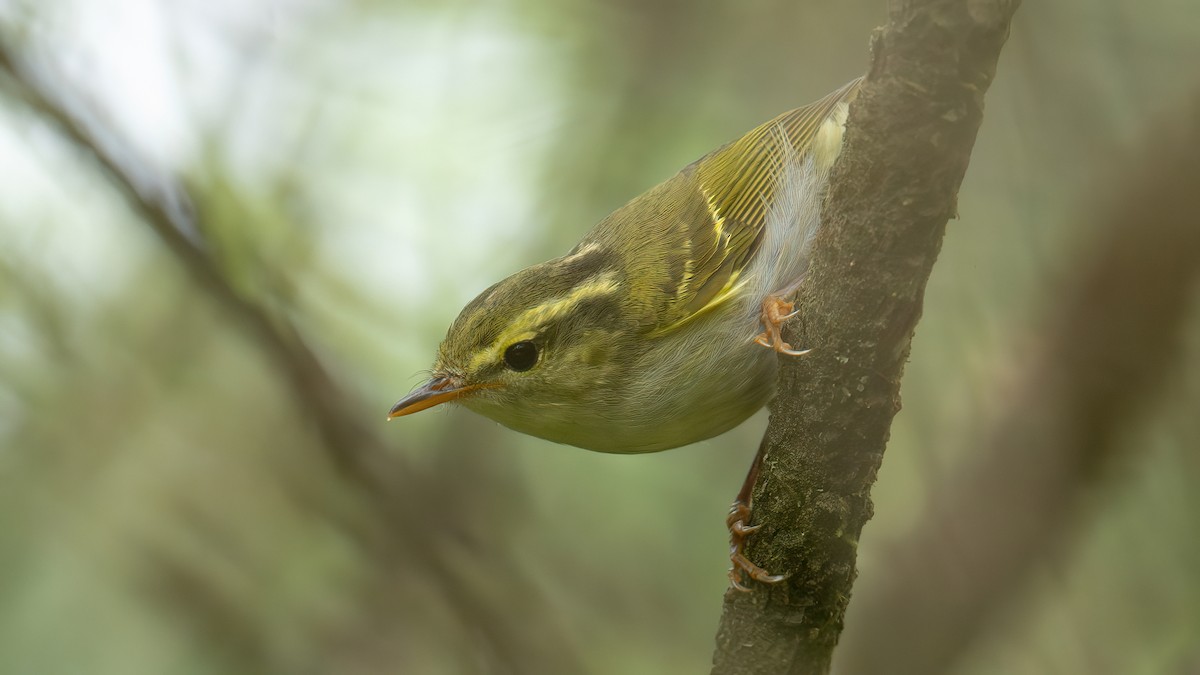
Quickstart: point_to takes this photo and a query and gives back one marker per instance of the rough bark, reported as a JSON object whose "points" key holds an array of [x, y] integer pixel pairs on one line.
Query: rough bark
{"points": [[1109, 341], [908, 142]]}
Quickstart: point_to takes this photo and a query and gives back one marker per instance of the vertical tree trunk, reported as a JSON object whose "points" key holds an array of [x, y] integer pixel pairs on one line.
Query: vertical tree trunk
{"points": [[908, 142]]}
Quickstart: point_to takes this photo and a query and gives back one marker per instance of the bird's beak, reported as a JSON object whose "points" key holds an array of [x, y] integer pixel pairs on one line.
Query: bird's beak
{"points": [[437, 390]]}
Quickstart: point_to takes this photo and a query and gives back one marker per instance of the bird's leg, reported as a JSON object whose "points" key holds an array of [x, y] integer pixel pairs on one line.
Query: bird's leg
{"points": [[739, 526], [776, 310]]}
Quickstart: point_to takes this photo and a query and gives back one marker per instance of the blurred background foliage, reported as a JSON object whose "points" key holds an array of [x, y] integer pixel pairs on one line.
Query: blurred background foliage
{"points": [[181, 492]]}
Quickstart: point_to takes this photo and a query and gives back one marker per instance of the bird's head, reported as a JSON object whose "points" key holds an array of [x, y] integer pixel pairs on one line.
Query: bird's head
{"points": [[535, 348]]}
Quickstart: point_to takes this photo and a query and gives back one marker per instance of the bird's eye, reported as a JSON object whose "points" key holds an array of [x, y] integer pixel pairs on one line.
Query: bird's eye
{"points": [[521, 356]]}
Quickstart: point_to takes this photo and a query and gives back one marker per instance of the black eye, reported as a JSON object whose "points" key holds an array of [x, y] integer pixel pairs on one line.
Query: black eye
{"points": [[521, 356]]}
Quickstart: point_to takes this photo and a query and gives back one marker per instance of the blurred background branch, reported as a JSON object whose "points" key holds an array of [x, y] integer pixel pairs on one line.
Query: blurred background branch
{"points": [[164, 207], [390, 521]]}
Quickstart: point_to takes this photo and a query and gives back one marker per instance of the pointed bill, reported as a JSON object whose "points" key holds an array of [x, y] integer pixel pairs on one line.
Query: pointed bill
{"points": [[436, 391]]}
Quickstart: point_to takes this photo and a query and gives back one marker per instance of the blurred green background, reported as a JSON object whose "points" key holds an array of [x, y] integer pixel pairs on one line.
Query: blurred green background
{"points": [[179, 495]]}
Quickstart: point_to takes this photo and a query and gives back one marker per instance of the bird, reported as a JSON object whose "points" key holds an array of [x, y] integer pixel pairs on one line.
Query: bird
{"points": [[662, 327]]}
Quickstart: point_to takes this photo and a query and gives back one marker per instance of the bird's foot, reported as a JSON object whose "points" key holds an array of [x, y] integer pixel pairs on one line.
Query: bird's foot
{"points": [[776, 310], [743, 568]]}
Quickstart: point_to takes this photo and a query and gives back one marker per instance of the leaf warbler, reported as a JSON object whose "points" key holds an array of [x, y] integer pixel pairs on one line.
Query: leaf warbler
{"points": [[646, 336]]}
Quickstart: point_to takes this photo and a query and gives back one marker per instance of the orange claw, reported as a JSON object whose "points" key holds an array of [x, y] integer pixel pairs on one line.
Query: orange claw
{"points": [[742, 567], [776, 310]]}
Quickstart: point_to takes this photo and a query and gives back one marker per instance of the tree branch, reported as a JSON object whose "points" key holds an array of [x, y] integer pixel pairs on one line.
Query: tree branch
{"points": [[908, 142], [1110, 340]]}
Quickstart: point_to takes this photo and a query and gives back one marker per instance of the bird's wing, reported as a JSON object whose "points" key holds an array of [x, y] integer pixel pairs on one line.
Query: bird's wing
{"points": [[725, 215]]}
